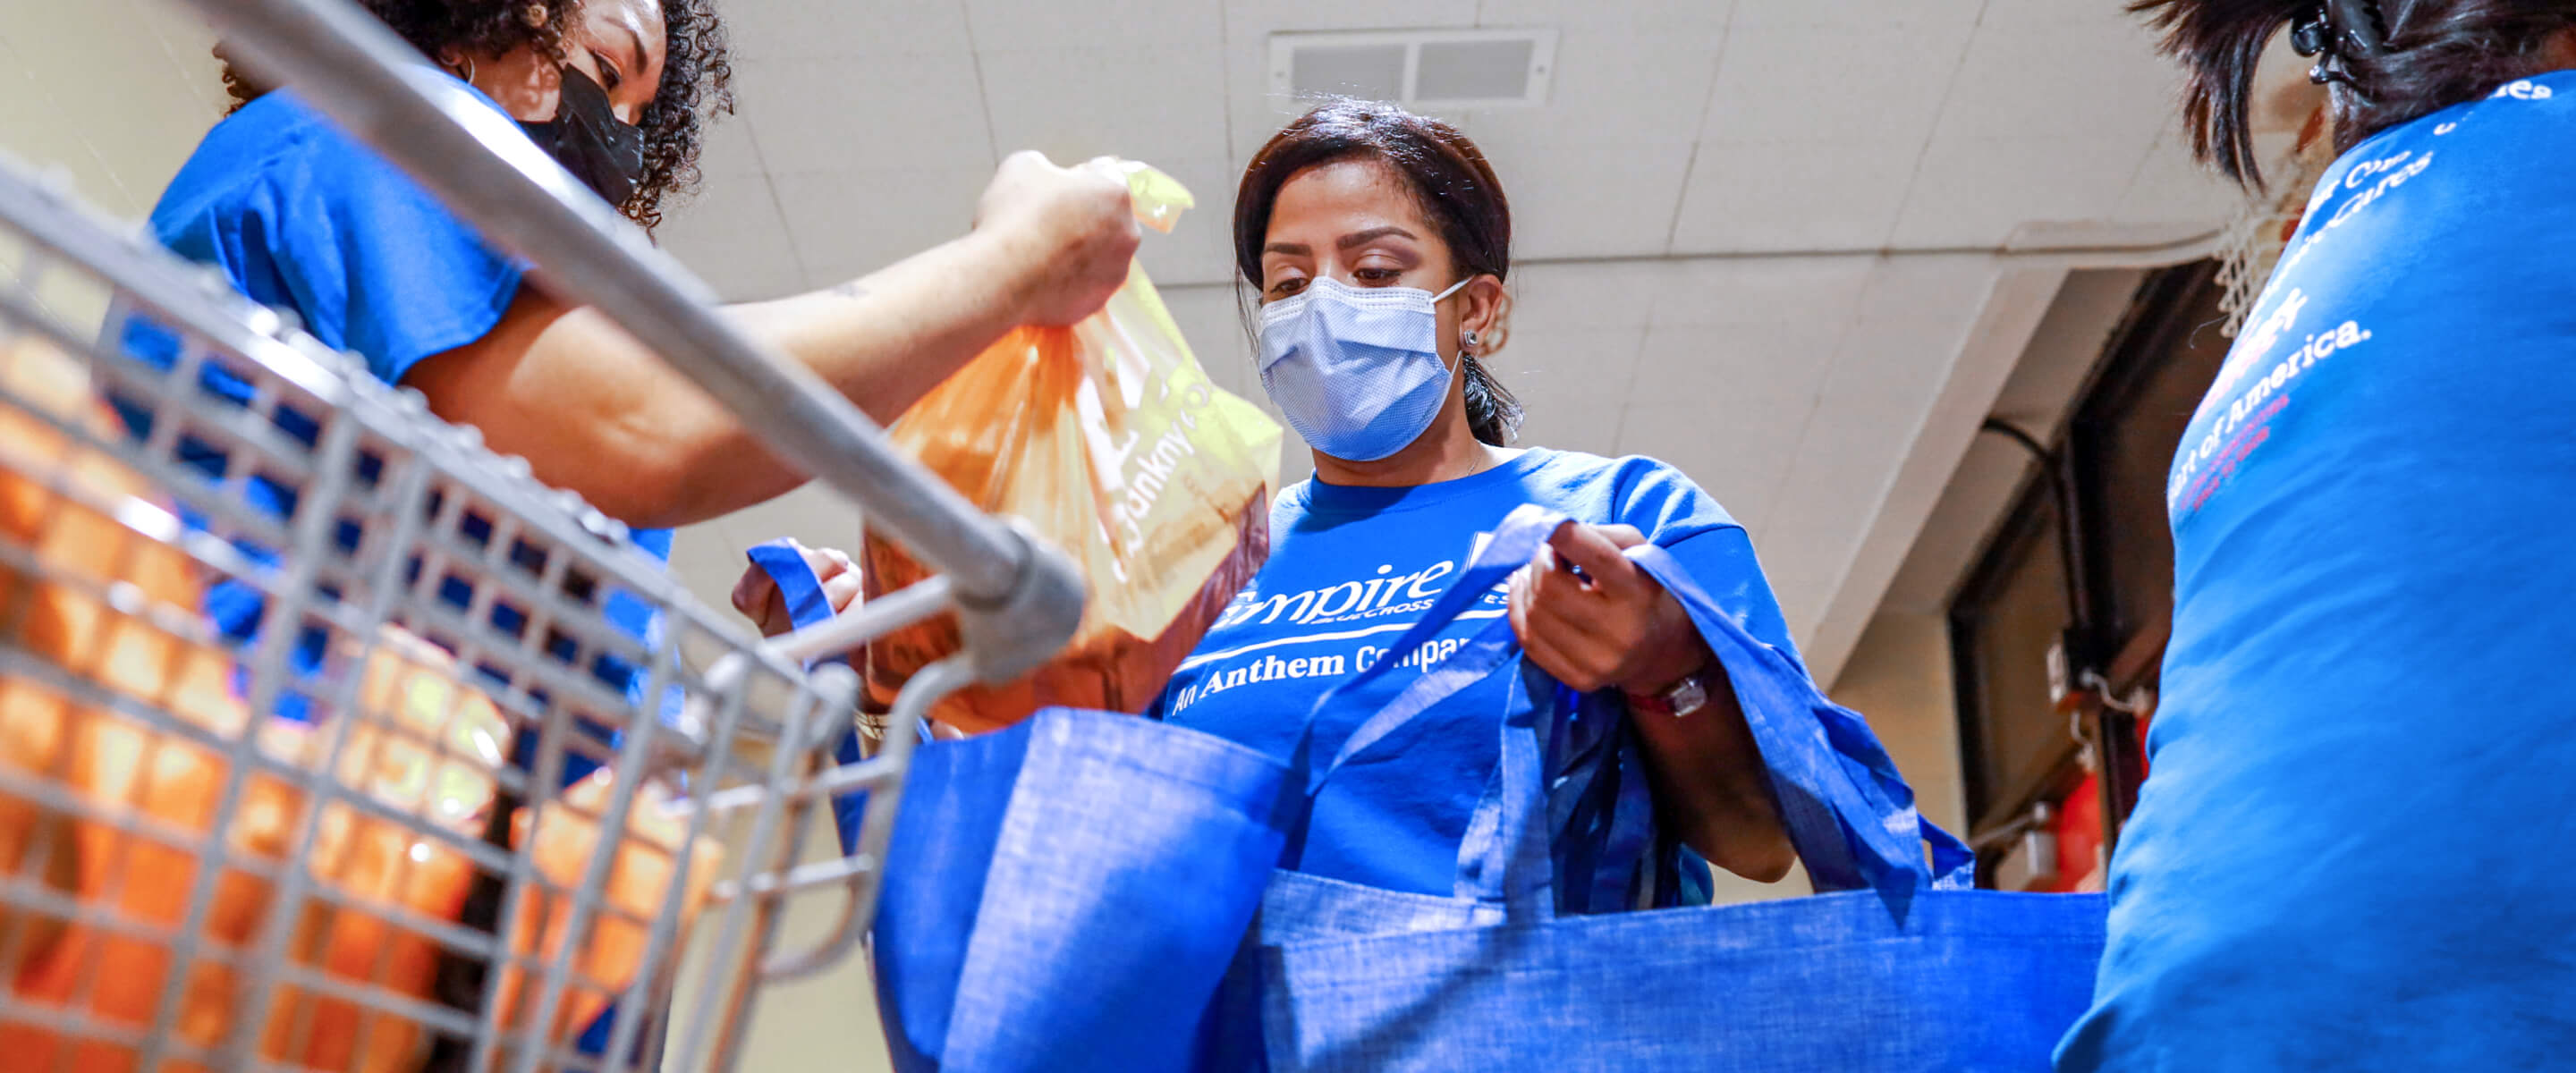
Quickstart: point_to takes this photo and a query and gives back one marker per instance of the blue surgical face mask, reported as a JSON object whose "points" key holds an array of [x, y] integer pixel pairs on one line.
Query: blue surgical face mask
{"points": [[1356, 370]]}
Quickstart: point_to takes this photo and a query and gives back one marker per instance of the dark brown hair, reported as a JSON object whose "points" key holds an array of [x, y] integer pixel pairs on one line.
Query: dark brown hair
{"points": [[2439, 53], [1449, 177], [697, 74]]}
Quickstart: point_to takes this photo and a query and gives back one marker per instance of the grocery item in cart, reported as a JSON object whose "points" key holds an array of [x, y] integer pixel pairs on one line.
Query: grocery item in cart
{"points": [[1110, 441], [610, 950], [109, 607]]}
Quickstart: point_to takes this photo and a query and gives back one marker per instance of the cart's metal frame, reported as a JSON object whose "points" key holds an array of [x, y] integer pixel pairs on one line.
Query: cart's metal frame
{"points": [[398, 520]]}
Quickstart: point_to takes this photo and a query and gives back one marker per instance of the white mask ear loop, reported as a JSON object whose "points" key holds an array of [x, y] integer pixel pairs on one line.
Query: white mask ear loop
{"points": [[1467, 337]]}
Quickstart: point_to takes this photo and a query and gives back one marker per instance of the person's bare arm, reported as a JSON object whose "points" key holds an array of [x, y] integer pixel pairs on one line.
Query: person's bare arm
{"points": [[593, 410], [1614, 627]]}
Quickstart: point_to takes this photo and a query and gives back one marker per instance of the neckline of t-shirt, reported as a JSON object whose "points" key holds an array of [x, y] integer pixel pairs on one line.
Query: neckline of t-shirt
{"points": [[2561, 80], [1323, 498]]}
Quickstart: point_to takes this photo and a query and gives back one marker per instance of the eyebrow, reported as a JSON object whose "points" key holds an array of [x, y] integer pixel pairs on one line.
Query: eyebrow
{"points": [[637, 36], [1355, 238]]}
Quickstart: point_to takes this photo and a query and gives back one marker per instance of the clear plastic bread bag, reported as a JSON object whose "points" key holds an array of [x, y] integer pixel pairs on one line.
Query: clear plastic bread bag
{"points": [[1112, 443]]}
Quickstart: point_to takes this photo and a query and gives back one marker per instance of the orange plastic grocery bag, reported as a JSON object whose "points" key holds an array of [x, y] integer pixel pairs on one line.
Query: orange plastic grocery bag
{"points": [[1110, 441]]}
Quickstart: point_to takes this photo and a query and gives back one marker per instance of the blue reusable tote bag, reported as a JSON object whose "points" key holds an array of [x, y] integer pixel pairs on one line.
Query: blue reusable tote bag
{"points": [[1062, 895], [1905, 968]]}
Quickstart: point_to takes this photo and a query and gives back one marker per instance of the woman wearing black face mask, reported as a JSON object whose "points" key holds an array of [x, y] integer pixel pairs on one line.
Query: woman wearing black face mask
{"points": [[300, 216]]}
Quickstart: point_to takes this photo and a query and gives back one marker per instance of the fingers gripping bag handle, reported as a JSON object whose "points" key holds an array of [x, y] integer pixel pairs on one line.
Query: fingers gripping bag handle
{"points": [[1849, 813], [802, 593]]}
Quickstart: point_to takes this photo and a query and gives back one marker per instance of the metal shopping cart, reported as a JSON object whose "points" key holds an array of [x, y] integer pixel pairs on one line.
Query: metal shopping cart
{"points": [[229, 857]]}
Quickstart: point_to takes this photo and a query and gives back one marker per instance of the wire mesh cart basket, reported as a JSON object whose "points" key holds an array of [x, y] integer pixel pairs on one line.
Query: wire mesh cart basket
{"points": [[451, 805]]}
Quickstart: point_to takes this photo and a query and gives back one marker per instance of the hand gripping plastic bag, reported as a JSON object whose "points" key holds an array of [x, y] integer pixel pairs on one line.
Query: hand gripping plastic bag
{"points": [[1110, 441]]}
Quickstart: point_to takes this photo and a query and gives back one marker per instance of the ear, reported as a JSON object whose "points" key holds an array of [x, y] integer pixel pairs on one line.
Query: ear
{"points": [[1487, 312]]}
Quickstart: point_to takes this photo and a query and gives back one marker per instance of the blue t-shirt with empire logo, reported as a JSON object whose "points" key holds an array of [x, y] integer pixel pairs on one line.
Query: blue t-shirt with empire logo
{"points": [[1351, 569], [2348, 853]]}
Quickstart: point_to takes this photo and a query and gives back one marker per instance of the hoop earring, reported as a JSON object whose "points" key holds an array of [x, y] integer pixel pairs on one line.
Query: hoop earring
{"points": [[468, 76]]}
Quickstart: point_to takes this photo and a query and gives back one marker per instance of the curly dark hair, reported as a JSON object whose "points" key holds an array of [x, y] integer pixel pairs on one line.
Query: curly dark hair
{"points": [[697, 74]]}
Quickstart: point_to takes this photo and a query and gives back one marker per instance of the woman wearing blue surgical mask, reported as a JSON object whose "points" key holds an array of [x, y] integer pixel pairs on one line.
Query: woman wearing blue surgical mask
{"points": [[1378, 242]]}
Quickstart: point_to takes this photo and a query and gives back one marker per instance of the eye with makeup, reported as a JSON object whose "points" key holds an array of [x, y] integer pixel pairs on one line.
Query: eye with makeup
{"points": [[1284, 287], [609, 76]]}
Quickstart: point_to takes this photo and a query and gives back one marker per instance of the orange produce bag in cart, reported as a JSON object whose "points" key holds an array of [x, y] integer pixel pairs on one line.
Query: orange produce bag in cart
{"points": [[1109, 440]]}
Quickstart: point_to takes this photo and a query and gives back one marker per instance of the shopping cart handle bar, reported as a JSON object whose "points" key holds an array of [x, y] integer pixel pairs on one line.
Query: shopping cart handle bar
{"points": [[356, 71]]}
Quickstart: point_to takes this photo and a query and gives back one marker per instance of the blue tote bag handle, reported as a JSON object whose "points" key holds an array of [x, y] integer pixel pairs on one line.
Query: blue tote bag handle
{"points": [[1511, 817], [1849, 813], [802, 592]]}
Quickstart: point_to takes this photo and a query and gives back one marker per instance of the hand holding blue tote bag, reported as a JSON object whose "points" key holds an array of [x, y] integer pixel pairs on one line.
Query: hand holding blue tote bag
{"points": [[1081, 880], [1904, 968]]}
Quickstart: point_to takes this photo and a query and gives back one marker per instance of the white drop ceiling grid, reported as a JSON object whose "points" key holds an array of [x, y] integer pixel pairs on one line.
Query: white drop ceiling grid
{"points": [[1749, 230]]}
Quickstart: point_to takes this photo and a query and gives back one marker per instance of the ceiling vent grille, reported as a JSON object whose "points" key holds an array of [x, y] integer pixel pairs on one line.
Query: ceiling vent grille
{"points": [[1426, 68]]}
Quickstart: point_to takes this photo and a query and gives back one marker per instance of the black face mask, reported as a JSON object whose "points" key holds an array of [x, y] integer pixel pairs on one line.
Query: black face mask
{"points": [[588, 139]]}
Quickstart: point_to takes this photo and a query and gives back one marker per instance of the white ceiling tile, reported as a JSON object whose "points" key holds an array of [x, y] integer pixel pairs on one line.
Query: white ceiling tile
{"points": [[1254, 113], [1624, 14], [1884, 82], [731, 235], [1805, 291], [1803, 195], [843, 227], [189, 42], [1131, 101], [1972, 192], [798, 29], [1124, 101], [2019, 14], [1200, 248], [730, 148], [1949, 287], [1755, 13], [1871, 407], [885, 114], [1734, 456], [1618, 202], [1553, 297], [2170, 185], [1567, 374], [1019, 24], [1623, 83], [2060, 81], [1738, 372], [1565, 425], [1267, 16], [122, 128]]}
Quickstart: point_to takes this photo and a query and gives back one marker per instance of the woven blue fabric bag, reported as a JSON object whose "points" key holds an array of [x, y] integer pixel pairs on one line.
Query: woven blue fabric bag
{"points": [[1902, 967], [1062, 895]]}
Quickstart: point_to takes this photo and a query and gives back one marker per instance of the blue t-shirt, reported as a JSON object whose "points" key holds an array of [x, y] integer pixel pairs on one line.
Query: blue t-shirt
{"points": [[1350, 569], [2347, 853], [302, 217]]}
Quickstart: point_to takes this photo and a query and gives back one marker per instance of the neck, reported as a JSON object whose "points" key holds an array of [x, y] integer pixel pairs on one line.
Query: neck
{"points": [[1447, 451]]}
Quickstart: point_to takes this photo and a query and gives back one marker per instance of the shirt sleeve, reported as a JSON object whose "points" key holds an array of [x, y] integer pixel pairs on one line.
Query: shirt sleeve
{"points": [[377, 264]]}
